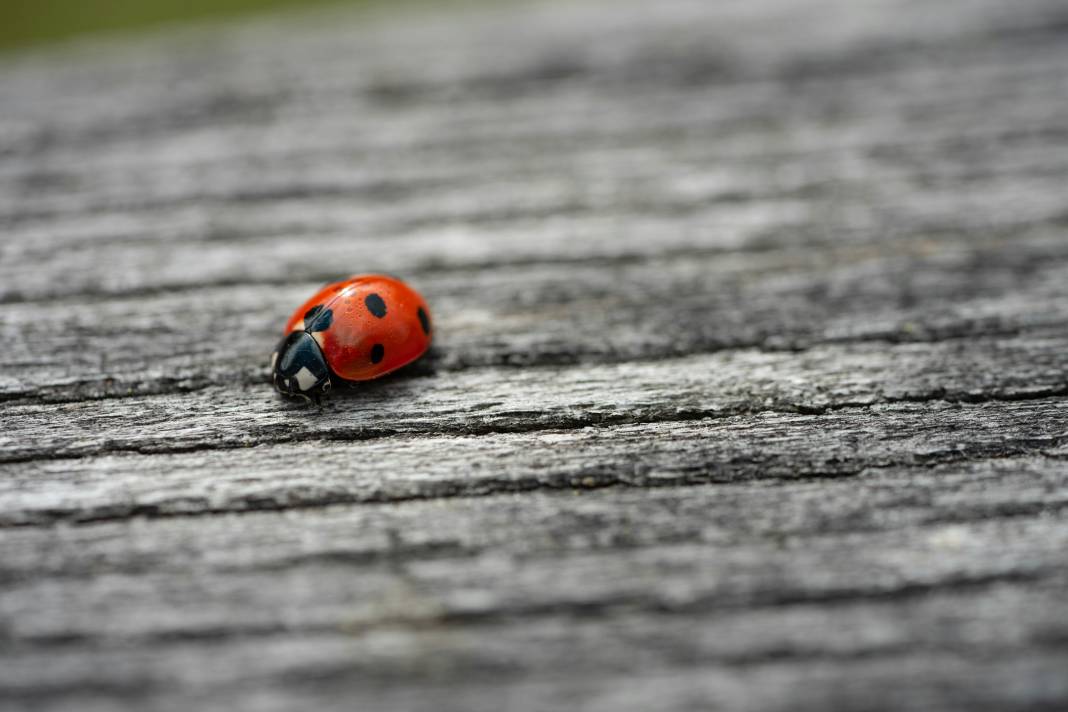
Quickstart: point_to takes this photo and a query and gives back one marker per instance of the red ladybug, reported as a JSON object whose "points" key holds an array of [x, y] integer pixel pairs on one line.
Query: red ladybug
{"points": [[354, 330]]}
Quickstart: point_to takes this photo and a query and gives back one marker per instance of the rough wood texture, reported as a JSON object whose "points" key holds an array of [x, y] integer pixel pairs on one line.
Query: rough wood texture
{"points": [[750, 389]]}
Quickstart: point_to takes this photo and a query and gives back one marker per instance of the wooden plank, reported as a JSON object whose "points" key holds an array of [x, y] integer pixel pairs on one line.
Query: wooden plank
{"points": [[334, 469], [520, 400], [741, 159], [806, 575], [749, 388], [546, 315]]}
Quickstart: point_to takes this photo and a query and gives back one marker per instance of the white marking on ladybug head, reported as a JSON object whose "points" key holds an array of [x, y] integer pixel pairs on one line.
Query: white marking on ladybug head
{"points": [[305, 378], [274, 359]]}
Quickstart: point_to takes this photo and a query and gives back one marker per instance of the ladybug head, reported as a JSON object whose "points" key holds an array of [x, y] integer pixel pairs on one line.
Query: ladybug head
{"points": [[299, 369]]}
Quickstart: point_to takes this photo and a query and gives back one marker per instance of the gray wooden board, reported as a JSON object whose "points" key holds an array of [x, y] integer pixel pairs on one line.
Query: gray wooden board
{"points": [[749, 388]]}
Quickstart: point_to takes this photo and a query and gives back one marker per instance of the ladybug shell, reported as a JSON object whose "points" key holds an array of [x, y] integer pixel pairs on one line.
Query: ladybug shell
{"points": [[366, 325]]}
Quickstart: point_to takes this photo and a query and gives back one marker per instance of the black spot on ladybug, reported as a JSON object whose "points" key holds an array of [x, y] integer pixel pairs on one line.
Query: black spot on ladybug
{"points": [[375, 305], [318, 319], [378, 352], [424, 320]]}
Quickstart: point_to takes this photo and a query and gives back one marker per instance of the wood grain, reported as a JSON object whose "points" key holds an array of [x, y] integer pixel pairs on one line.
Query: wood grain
{"points": [[749, 388]]}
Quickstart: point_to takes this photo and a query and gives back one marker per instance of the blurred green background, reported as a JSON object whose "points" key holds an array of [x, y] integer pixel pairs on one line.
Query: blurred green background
{"points": [[27, 22]]}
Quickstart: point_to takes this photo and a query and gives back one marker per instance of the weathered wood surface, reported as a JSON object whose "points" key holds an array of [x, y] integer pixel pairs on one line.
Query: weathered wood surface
{"points": [[750, 389]]}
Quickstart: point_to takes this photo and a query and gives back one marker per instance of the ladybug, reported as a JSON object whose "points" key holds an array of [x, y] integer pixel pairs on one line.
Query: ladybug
{"points": [[354, 330]]}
